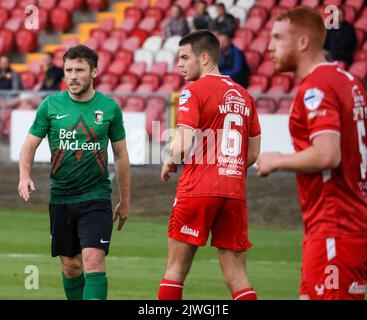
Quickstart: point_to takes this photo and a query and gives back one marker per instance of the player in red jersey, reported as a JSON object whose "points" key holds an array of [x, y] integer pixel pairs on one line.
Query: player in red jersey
{"points": [[220, 116], [328, 126]]}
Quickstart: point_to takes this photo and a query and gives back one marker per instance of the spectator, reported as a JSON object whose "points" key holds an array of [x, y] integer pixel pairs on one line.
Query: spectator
{"points": [[231, 60], [51, 76], [9, 79], [341, 42], [224, 21], [177, 23], [202, 19]]}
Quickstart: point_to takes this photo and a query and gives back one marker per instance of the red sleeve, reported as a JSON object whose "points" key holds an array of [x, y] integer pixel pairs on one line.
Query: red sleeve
{"points": [[188, 109], [255, 129], [322, 108]]}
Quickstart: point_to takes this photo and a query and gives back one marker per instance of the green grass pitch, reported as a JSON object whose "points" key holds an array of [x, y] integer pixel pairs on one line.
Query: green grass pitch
{"points": [[137, 258]]}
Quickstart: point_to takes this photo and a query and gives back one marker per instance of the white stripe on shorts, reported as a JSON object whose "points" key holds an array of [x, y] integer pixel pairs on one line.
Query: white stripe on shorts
{"points": [[330, 248]]}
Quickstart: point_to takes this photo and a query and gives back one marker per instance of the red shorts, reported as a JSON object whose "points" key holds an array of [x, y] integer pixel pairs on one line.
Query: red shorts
{"points": [[334, 269], [192, 219]]}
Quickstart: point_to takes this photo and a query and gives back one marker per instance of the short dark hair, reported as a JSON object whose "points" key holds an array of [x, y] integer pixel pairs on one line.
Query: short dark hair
{"points": [[82, 52], [202, 41]]}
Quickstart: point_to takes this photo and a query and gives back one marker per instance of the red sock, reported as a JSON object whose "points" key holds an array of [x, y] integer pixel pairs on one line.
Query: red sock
{"points": [[245, 294], [170, 290]]}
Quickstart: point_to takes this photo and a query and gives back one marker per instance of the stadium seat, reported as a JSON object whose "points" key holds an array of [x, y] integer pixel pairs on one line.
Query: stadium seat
{"points": [[26, 41], [23, 3], [266, 68], [171, 44], [146, 56], [125, 55], [134, 104], [97, 5], [167, 56], [142, 35], [254, 23], [104, 59], [155, 106], [253, 59], [265, 105], [360, 38], [99, 34], [332, 2], [359, 70], [119, 34], [245, 4], [160, 68], [310, 3], [61, 19], [350, 14], [4, 15], [71, 5], [155, 12], [268, 4], [117, 67], [361, 23], [111, 45], [92, 43], [144, 88], [8, 4], [107, 24], [138, 68], [104, 87], [280, 84], [284, 105], [151, 79], [47, 4], [43, 21], [131, 78], [28, 80], [148, 24], [241, 42], [6, 41], [131, 43], [246, 35], [357, 4], [173, 79], [153, 43], [273, 14], [360, 55], [128, 24], [135, 13], [110, 78], [260, 45], [258, 11], [14, 24], [259, 81], [239, 14], [124, 88], [141, 4], [165, 5], [70, 42], [184, 4], [288, 3]]}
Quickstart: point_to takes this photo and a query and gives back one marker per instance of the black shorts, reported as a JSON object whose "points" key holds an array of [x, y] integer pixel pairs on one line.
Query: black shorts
{"points": [[76, 226]]}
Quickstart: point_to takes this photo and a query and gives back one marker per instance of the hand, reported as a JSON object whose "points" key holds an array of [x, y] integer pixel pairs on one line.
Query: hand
{"points": [[122, 211], [166, 169], [267, 163], [26, 188]]}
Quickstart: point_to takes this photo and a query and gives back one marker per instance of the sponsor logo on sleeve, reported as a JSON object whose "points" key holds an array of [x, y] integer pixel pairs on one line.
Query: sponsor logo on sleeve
{"points": [[313, 98], [184, 97]]}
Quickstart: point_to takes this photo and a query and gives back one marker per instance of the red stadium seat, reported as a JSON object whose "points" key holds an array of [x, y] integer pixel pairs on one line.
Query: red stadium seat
{"points": [[131, 78], [260, 45], [6, 41], [147, 24], [155, 12], [265, 105], [360, 55], [110, 78], [104, 59], [137, 68], [99, 34], [160, 68], [245, 34], [273, 14], [360, 38], [4, 15], [310, 3], [124, 88], [28, 80], [284, 105], [144, 88], [141, 4], [173, 79], [134, 104], [71, 5], [350, 14], [361, 23], [184, 4], [131, 44], [14, 24], [154, 109], [151, 79], [43, 19], [117, 67], [107, 24], [357, 4], [253, 59], [332, 2], [254, 24], [23, 3], [241, 43], [163, 4], [266, 68], [260, 81], [119, 34], [61, 19], [8, 4], [268, 4], [26, 41], [97, 5], [135, 13], [258, 11], [17, 12], [48, 4], [359, 70], [128, 24], [288, 3], [124, 55], [281, 81], [92, 43], [111, 45], [104, 87]]}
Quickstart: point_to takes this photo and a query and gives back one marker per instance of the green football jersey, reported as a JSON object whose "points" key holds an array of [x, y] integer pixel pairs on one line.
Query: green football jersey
{"points": [[78, 134]]}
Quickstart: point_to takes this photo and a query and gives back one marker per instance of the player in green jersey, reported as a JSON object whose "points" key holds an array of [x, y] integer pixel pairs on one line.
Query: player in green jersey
{"points": [[78, 123]]}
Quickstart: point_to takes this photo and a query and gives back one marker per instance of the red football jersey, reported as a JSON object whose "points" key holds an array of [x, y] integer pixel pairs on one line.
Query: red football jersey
{"points": [[334, 202], [225, 118]]}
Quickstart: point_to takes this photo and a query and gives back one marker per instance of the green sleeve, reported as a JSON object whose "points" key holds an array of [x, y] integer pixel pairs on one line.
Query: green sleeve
{"points": [[116, 131], [41, 124]]}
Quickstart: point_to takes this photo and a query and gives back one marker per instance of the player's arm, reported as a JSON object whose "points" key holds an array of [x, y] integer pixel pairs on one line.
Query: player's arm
{"points": [[122, 169], [179, 149], [253, 150], [26, 158], [325, 153]]}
